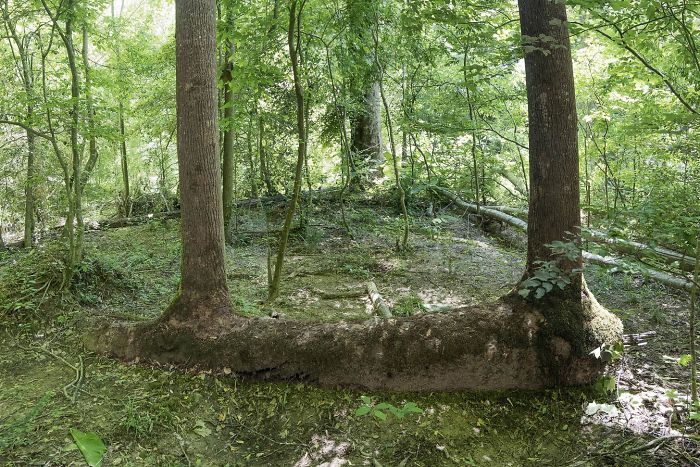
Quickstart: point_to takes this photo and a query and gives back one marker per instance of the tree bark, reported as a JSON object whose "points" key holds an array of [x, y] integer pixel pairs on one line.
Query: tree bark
{"points": [[203, 299], [481, 347], [554, 213]]}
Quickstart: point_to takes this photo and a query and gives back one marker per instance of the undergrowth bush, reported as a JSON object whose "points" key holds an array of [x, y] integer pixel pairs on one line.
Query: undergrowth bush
{"points": [[31, 279]]}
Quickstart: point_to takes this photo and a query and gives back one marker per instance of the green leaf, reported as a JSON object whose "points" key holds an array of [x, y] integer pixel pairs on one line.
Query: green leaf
{"points": [[90, 445], [202, 429], [383, 406], [366, 400], [524, 292], [379, 414], [411, 407], [362, 410], [539, 293], [685, 360]]}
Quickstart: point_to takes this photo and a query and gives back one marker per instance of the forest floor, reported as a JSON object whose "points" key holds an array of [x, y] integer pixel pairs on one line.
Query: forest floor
{"points": [[151, 415]]}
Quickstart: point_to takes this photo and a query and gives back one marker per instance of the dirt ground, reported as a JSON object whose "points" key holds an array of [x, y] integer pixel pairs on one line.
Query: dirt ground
{"points": [[165, 416]]}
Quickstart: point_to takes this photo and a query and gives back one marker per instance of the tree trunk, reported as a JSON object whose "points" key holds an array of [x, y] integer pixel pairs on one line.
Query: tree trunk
{"points": [[572, 326], [365, 114], [554, 213], [480, 347], [203, 299], [29, 204], [366, 136], [228, 162], [264, 163]]}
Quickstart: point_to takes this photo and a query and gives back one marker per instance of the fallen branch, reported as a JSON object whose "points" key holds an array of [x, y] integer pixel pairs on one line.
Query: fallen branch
{"points": [[659, 276], [639, 339], [380, 306], [685, 262]]}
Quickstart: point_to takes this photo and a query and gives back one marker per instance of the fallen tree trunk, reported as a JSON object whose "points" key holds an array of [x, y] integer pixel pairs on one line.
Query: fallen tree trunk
{"points": [[659, 276], [480, 347], [685, 262]]}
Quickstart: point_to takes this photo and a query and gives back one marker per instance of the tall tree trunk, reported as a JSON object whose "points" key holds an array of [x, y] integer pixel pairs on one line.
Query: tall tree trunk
{"points": [[29, 203], [203, 299], [366, 136], [262, 155], [22, 44], [124, 158], [365, 114], [554, 213], [252, 175], [93, 155], [573, 323]]}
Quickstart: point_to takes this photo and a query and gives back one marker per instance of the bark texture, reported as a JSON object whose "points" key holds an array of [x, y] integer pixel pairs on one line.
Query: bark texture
{"points": [[554, 213], [203, 291]]}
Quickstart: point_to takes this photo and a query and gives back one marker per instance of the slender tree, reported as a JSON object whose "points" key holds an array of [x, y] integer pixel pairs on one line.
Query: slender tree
{"points": [[203, 298], [23, 43], [228, 156], [294, 24]]}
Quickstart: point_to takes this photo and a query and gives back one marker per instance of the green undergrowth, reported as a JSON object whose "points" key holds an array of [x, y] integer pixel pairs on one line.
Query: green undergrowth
{"points": [[163, 416], [157, 416]]}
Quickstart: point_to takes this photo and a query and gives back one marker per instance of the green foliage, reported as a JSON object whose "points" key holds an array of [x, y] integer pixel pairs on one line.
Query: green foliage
{"points": [[28, 280], [16, 430], [382, 410], [408, 305], [545, 278]]}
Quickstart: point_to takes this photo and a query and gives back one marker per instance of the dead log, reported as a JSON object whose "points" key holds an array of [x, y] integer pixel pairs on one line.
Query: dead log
{"points": [[378, 303], [659, 276], [640, 250], [639, 339], [494, 346]]}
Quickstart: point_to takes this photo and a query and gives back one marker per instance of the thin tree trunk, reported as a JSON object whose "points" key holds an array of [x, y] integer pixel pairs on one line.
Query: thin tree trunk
{"points": [[126, 199], [229, 162], [28, 82], [252, 176], [301, 153], [264, 163], [397, 174]]}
